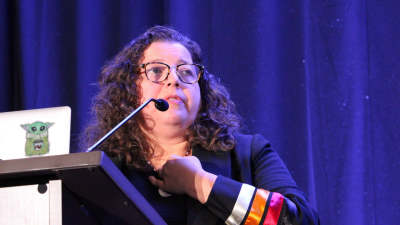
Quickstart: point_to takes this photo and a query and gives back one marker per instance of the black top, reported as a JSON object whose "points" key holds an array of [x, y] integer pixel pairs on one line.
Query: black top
{"points": [[172, 209]]}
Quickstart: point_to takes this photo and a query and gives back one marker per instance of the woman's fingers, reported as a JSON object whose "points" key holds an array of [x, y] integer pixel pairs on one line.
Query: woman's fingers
{"points": [[183, 175], [156, 182], [160, 172]]}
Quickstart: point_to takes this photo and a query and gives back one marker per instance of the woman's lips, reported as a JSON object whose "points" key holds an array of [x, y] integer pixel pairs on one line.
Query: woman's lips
{"points": [[173, 99]]}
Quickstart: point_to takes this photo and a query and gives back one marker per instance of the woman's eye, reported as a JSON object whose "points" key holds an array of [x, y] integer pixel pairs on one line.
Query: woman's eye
{"points": [[186, 72], [155, 70]]}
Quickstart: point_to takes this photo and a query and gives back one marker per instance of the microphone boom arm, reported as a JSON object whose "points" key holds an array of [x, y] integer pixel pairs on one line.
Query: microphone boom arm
{"points": [[120, 124]]}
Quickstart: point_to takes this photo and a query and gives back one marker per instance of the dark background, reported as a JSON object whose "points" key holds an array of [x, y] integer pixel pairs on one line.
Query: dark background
{"points": [[319, 79]]}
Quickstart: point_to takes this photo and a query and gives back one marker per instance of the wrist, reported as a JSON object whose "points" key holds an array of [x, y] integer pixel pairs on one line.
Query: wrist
{"points": [[204, 184]]}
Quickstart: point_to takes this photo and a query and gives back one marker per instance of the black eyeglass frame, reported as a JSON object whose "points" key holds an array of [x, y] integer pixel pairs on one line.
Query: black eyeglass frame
{"points": [[201, 71]]}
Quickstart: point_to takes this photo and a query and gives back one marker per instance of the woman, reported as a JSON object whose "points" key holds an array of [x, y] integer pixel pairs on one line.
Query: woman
{"points": [[189, 162]]}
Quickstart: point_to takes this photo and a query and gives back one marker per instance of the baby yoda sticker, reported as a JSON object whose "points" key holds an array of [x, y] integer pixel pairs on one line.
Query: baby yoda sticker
{"points": [[37, 138]]}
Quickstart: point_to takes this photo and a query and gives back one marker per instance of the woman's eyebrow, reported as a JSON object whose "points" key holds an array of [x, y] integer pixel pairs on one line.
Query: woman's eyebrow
{"points": [[183, 61], [156, 60]]}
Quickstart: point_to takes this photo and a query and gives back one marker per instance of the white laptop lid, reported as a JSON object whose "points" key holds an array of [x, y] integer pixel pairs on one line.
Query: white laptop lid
{"points": [[33, 133]]}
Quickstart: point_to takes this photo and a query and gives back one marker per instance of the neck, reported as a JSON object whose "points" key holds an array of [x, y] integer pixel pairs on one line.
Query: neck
{"points": [[163, 152], [164, 146]]}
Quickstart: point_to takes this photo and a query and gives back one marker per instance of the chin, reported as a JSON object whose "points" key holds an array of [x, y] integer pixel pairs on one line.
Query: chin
{"points": [[177, 119]]}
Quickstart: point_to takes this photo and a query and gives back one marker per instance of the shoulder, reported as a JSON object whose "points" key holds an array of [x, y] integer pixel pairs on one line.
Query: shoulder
{"points": [[257, 140], [246, 154], [250, 145], [258, 164]]}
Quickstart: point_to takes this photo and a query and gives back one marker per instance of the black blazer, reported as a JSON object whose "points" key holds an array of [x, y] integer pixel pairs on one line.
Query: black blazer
{"points": [[252, 162]]}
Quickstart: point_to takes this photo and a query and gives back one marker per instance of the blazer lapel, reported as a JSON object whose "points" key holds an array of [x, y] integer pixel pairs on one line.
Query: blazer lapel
{"points": [[218, 163]]}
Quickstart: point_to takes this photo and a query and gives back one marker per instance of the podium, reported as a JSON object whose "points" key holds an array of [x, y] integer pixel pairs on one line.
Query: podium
{"points": [[78, 188]]}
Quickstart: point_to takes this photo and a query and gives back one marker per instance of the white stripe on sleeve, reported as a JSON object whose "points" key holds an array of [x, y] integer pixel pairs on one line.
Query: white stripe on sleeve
{"points": [[241, 205]]}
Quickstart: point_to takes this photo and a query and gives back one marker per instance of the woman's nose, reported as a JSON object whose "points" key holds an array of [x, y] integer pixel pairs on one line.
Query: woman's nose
{"points": [[173, 78]]}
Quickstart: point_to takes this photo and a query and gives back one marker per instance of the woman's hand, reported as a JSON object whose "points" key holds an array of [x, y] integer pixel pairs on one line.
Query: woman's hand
{"points": [[184, 175]]}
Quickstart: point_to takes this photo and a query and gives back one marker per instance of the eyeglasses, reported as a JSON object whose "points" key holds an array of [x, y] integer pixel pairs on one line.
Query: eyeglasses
{"points": [[188, 73]]}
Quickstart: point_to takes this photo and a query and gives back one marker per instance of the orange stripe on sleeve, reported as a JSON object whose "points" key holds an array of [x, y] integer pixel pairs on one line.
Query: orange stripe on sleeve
{"points": [[257, 208], [274, 210]]}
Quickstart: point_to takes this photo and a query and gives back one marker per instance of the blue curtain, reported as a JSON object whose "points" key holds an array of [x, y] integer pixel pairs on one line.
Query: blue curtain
{"points": [[319, 79]]}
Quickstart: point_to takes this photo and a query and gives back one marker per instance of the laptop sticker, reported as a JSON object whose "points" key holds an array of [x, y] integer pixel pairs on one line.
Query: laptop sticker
{"points": [[37, 138]]}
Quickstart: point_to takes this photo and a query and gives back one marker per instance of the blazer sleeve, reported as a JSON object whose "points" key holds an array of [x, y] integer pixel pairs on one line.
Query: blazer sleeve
{"points": [[272, 196]]}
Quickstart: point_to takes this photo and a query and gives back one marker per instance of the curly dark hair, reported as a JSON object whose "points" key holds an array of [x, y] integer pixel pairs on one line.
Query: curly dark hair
{"points": [[213, 128]]}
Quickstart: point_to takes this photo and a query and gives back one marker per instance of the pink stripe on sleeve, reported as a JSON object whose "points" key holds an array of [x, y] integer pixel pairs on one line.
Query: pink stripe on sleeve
{"points": [[274, 209]]}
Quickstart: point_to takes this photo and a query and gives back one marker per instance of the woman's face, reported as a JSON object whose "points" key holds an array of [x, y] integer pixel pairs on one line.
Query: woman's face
{"points": [[184, 99]]}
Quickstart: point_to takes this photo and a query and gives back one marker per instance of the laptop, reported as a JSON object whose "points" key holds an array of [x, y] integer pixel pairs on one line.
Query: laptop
{"points": [[35, 133]]}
